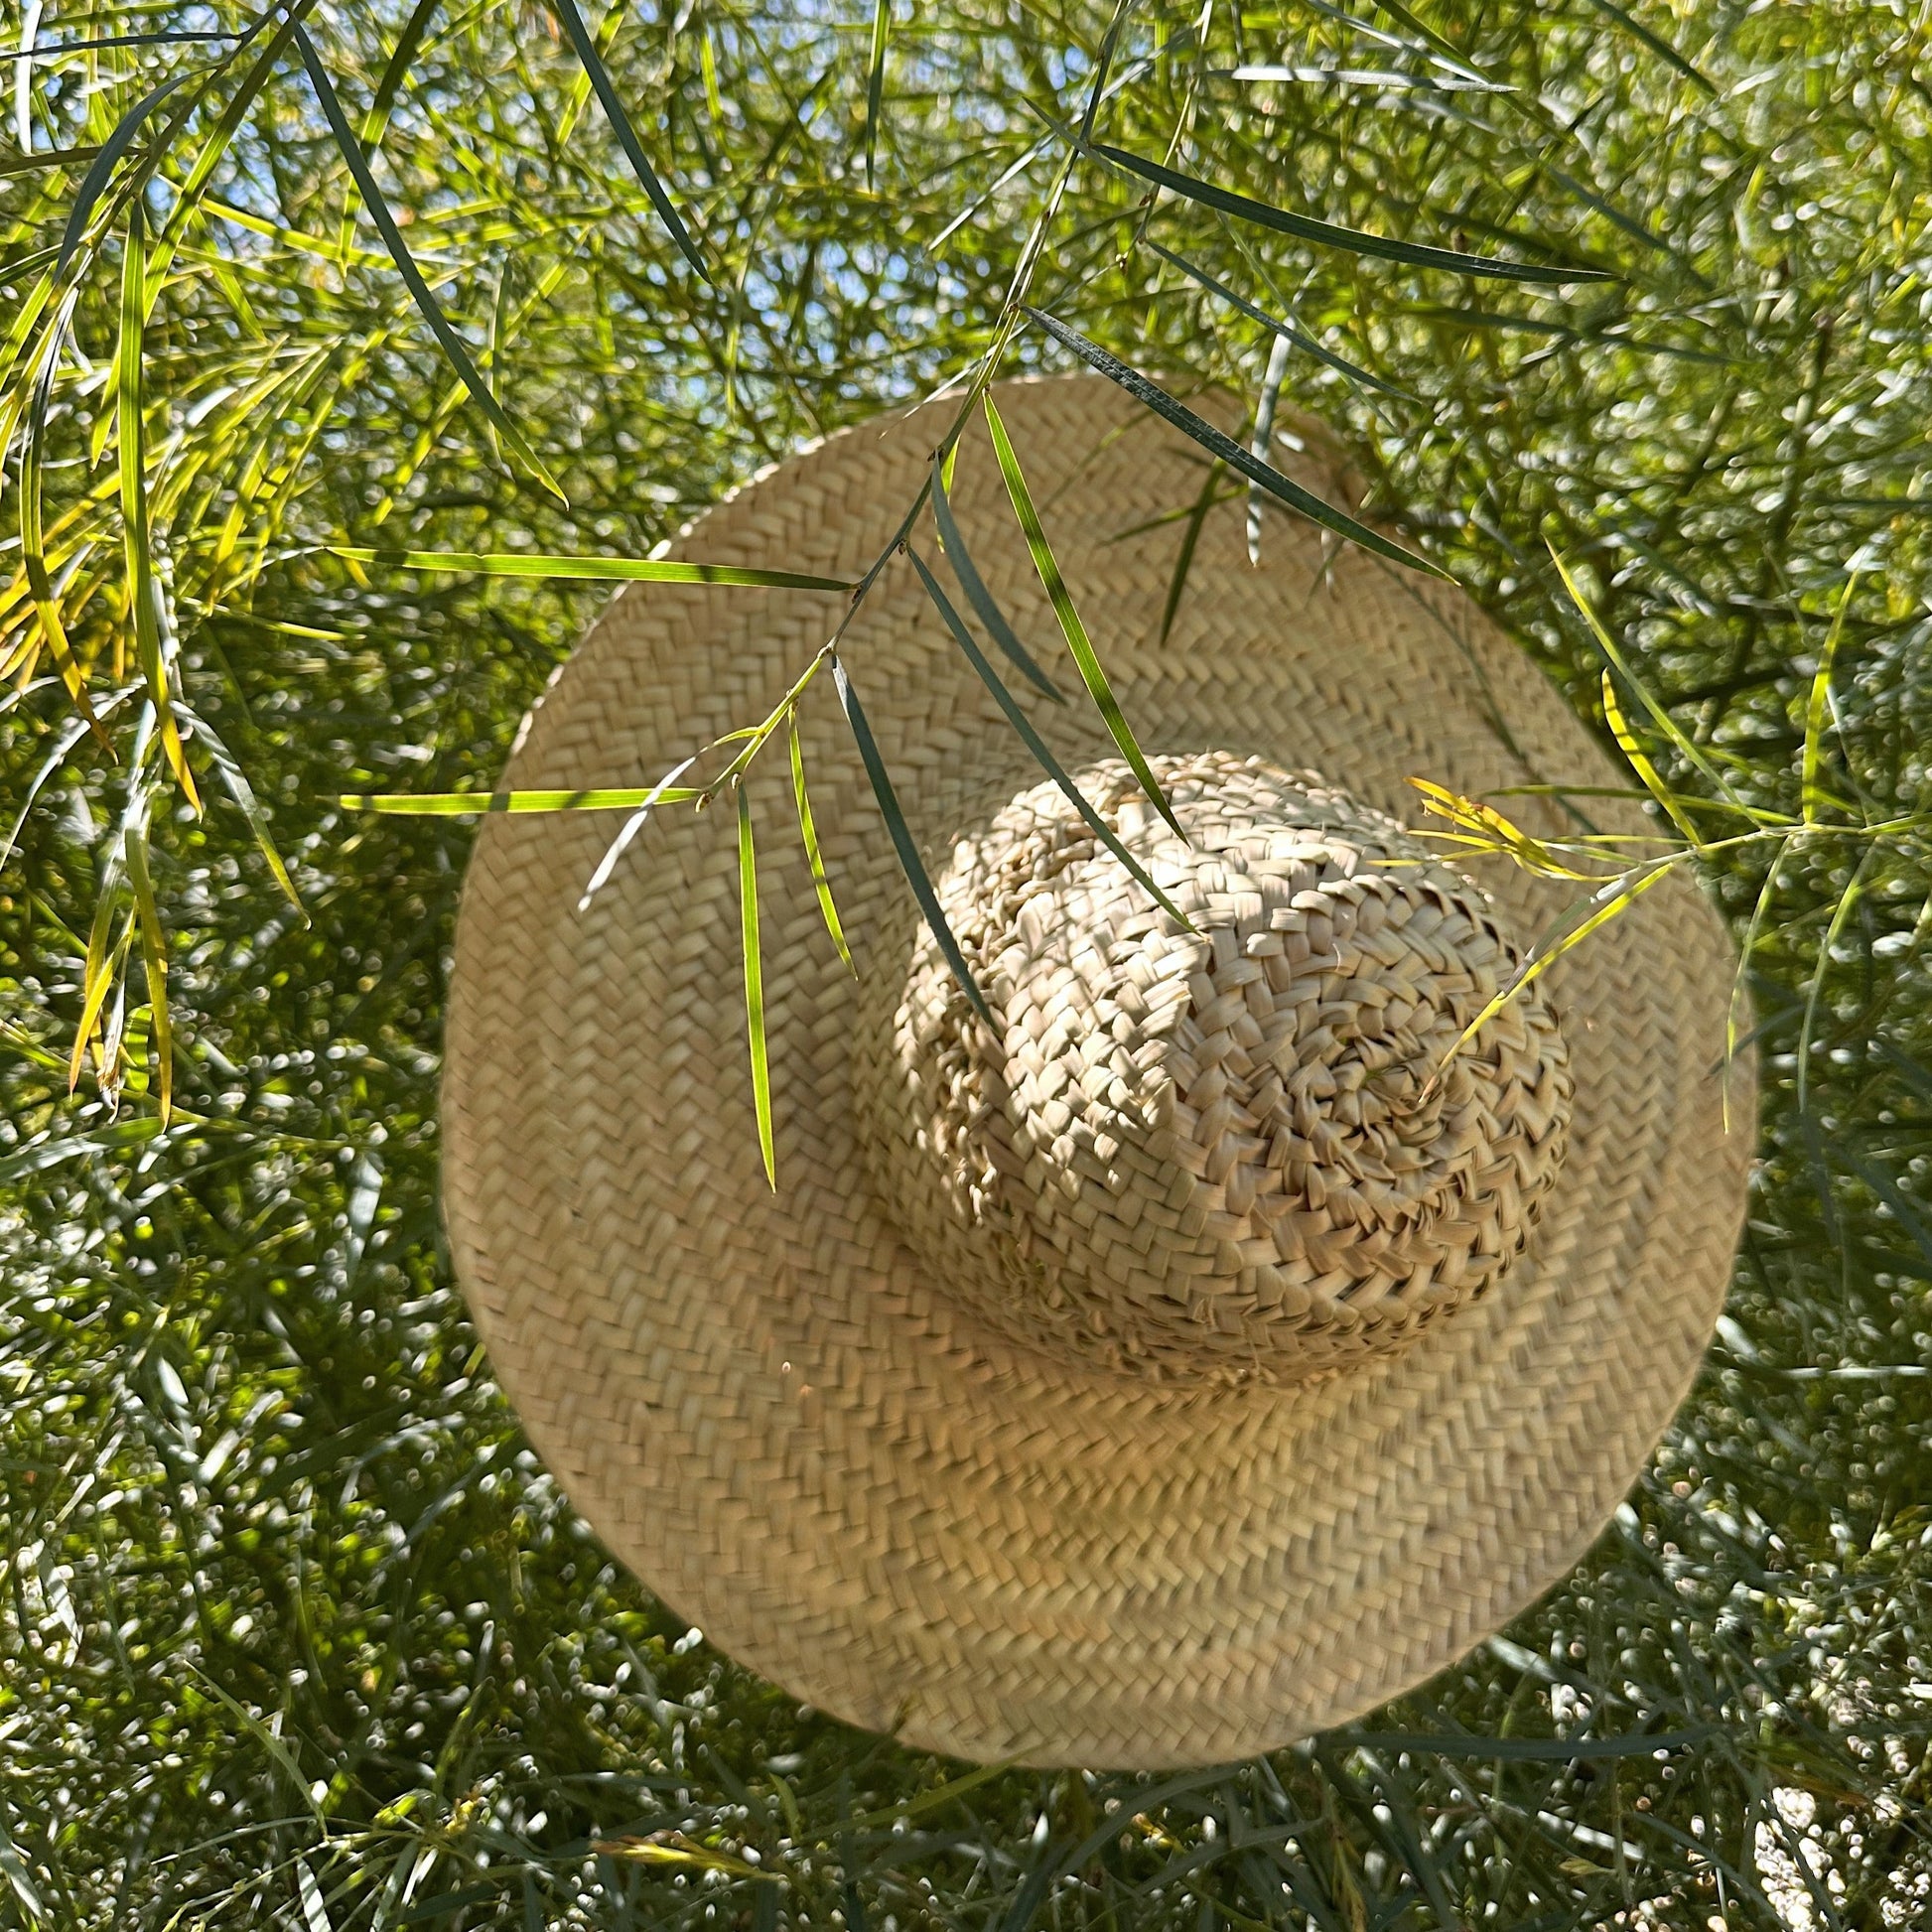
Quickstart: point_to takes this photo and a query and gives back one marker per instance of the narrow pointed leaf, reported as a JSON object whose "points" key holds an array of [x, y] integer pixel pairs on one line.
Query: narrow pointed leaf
{"points": [[426, 303], [631, 826], [614, 109], [235, 783], [985, 605], [1815, 992], [1640, 763], [465, 804], [881, 22], [747, 913], [32, 548], [1285, 330], [1616, 900], [1218, 444], [1414, 253], [1075, 633], [1036, 745], [98, 965], [808, 833], [143, 590], [1190, 540], [1818, 708], [95, 180], [1656, 42], [1665, 723], [902, 842], [408, 43], [640, 569], [154, 961]]}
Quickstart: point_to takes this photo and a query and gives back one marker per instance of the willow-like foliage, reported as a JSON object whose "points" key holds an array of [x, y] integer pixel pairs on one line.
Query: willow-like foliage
{"points": [[344, 349]]}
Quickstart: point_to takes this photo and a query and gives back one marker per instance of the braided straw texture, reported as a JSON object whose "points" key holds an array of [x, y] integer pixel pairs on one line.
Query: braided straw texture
{"points": [[1166, 1371]]}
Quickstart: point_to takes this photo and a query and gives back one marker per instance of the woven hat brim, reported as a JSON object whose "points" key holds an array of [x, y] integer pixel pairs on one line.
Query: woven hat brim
{"points": [[759, 1400]]}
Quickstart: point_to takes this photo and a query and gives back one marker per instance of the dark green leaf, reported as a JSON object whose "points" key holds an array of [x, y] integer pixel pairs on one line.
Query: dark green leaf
{"points": [[426, 303], [95, 178], [902, 842], [985, 605], [1032, 741], [1354, 240], [1230, 451], [613, 108], [1354, 371]]}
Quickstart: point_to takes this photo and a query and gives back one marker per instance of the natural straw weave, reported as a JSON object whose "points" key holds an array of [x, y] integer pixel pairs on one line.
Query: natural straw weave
{"points": [[1166, 1371]]}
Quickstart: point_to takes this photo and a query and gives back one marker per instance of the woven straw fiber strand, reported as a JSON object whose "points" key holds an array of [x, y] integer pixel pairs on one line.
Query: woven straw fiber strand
{"points": [[955, 1435]]}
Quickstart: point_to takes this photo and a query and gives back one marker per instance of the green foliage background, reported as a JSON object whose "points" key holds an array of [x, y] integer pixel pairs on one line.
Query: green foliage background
{"points": [[294, 1628]]}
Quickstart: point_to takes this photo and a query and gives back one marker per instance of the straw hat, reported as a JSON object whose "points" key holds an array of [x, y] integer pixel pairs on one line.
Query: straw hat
{"points": [[1161, 1373]]}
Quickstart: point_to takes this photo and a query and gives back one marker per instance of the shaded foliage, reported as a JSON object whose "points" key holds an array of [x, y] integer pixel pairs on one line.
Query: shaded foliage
{"points": [[295, 1628]]}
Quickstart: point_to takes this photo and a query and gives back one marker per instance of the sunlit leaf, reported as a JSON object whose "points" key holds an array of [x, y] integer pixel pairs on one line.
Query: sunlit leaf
{"points": [[630, 570], [1032, 741], [808, 835], [1075, 633], [747, 914], [881, 22]]}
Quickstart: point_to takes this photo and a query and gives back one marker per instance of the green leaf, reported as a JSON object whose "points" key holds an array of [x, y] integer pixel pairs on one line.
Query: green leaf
{"points": [[882, 21], [1615, 899], [465, 804], [984, 604], [1036, 745], [1818, 709], [235, 781], [808, 832], [1190, 540], [630, 570], [426, 303], [1339, 363], [607, 93], [143, 589], [1230, 451], [1640, 763], [747, 913], [1416, 254], [1660, 47], [902, 842], [95, 178], [1668, 725], [408, 43], [1075, 630], [32, 546], [154, 961]]}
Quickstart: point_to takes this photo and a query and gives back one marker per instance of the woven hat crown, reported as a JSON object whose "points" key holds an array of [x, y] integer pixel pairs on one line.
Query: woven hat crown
{"points": [[1225, 1153]]}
